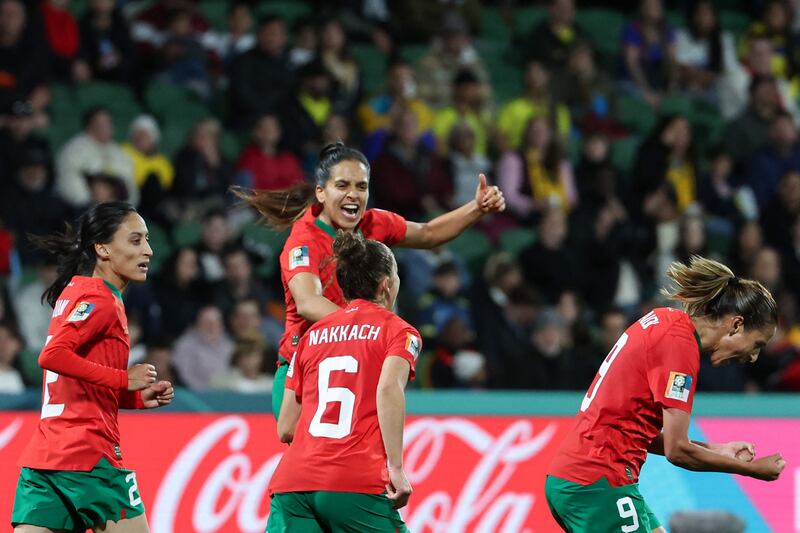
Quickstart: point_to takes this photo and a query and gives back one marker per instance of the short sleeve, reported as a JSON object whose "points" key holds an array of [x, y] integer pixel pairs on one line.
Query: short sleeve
{"points": [[672, 372], [631, 36], [386, 227], [299, 256], [406, 342]]}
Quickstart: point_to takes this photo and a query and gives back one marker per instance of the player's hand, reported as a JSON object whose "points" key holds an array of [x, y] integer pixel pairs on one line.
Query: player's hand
{"points": [[399, 489], [490, 199], [767, 468], [141, 376], [741, 450], [158, 395]]}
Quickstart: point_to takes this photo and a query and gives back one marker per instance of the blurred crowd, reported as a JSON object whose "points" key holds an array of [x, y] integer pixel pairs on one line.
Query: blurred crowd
{"points": [[624, 134]]}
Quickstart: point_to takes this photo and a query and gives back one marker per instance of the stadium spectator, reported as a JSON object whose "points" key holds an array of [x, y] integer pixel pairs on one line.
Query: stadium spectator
{"points": [[691, 241], [464, 162], [736, 83], [538, 176], [749, 131], [468, 105], [304, 42], [305, 112], [443, 301], [264, 163], [181, 58], [720, 193], [106, 43], [10, 348], [204, 350], [159, 354], [536, 101], [553, 364], [202, 174], [260, 79], [92, 157], [553, 40], [775, 26], [449, 53], [24, 61], [336, 130], [64, 40], [215, 237], [668, 157], [29, 205], [589, 92], [778, 157], [456, 364], [249, 370], [34, 315], [247, 320], [549, 264], [152, 171], [649, 54], [180, 292], [409, 178], [790, 260], [238, 38], [334, 51], [702, 50], [18, 124], [377, 113], [239, 282], [767, 269]]}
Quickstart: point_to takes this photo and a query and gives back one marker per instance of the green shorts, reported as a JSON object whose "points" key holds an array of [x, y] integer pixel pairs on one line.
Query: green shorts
{"points": [[278, 386], [599, 507], [323, 511], [76, 501]]}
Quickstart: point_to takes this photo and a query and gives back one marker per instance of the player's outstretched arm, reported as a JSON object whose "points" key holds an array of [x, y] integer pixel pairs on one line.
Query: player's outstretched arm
{"points": [[288, 417], [446, 227], [680, 451], [306, 289], [741, 450], [391, 402]]}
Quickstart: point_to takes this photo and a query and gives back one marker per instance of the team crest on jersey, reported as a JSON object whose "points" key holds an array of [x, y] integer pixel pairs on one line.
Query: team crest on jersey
{"points": [[298, 257], [678, 386], [81, 312], [413, 345]]}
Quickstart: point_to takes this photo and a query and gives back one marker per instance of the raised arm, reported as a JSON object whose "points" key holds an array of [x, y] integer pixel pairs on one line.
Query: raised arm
{"points": [[446, 227], [682, 452], [306, 289], [391, 402]]}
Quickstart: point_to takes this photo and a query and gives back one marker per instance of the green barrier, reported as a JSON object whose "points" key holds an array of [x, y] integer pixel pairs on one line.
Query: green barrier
{"points": [[508, 403]]}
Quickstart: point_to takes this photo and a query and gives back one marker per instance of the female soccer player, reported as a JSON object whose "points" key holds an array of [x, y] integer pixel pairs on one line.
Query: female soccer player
{"points": [[338, 201], [641, 401], [345, 418], [72, 477]]}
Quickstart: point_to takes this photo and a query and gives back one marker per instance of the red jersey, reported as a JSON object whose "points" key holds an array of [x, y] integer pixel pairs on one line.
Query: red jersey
{"points": [[88, 340], [652, 366], [310, 249], [337, 443]]}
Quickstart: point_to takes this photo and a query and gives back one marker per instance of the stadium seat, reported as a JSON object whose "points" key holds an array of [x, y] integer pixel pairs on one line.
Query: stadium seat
{"points": [[161, 244], [514, 241], [492, 24], [267, 243], [635, 114], [527, 17], [372, 61], [216, 12], [604, 28], [473, 247], [290, 10], [187, 234], [174, 106], [734, 22], [29, 367], [623, 153], [119, 99]]}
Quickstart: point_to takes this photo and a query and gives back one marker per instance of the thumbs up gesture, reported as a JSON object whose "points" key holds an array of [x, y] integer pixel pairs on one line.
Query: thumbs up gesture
{"points": [[489, 198]]}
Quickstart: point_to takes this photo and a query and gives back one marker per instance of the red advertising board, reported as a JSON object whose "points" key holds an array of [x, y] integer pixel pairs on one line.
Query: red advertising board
{"points": [[209, 472]]}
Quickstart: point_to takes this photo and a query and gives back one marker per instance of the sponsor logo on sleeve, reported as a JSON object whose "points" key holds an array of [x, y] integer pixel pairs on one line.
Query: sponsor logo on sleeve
{"points": [[81, 312], [413, 345], [298, 257], [679, 386], [290, 372]]}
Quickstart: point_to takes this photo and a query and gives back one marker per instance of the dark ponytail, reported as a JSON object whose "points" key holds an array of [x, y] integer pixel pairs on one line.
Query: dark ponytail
{"points": [[282, 208], [74, 248], [361, 264]]}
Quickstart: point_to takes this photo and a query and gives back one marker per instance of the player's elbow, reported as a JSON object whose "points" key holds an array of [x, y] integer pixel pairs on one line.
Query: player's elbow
{"points": [[286, 436], [676, 453], [305, 308]]}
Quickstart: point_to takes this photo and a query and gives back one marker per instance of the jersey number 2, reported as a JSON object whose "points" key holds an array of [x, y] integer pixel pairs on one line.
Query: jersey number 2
{"points": [[50, 409], [601, 374], [327, 394]]}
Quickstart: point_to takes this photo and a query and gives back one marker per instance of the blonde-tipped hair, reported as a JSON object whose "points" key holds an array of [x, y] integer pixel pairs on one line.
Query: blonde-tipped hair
{"points": [[709, 288]]}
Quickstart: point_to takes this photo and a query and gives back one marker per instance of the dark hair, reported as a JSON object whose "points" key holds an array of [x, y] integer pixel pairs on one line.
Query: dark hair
{"points": [[758, 80], [74, 248], [282, 208], [465, 76], [268, 19], [707, 288], [361, 264], [89, 115], [714, 39]]}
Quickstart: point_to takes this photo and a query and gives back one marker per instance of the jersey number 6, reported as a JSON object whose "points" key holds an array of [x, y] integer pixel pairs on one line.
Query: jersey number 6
{"points": [[601, 374], [342, 428]]}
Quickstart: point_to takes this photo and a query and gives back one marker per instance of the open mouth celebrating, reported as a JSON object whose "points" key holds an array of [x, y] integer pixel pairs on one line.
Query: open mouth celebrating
{"points": [[350, 211]]}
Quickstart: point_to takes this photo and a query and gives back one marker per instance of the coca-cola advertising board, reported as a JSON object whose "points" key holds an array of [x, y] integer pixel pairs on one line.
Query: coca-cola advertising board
{"points": [[209, 472]]}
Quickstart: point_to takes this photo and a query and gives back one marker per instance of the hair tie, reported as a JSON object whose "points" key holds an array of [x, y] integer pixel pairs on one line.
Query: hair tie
{"points": [[732, 282]]}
